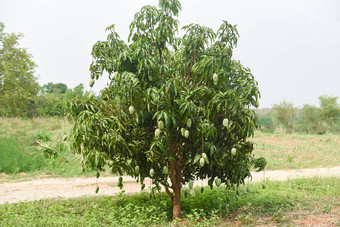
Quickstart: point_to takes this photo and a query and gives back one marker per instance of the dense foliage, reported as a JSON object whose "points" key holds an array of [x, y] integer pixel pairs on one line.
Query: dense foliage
{"points": [[18, 85], [176, 108]]}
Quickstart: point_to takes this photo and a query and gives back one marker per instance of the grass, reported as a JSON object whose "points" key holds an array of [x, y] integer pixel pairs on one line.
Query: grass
{"points": [[14, 157], [20, 151], [57, 127], [212, 207], [295, 151]]}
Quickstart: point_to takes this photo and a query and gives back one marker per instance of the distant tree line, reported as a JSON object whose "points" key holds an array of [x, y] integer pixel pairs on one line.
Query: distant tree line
{"points": [[20, 93], [52, 96], [48, 102], [21, 96], [308, 119]]}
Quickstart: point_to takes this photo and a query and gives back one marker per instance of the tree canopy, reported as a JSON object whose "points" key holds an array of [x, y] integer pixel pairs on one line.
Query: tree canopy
{"points": [[18, 84], [176, 109]]}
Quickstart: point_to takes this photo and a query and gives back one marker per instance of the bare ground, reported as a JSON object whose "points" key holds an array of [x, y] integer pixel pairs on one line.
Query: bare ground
{"points": [[36, 189]]}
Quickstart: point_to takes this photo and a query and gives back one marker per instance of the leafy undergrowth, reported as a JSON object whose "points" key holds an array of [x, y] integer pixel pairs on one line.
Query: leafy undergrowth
{"points": [[212, 207]]}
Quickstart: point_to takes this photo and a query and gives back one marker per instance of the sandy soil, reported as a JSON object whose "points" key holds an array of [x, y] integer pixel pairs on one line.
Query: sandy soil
{"points": [[37, 189]]}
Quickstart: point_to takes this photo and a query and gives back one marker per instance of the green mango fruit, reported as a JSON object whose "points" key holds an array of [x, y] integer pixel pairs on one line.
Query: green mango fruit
{"points": [[202, 161], [186, 134], [215, 77], [182, 131], [131, 109], [189, 122], [137, 170], [161, 125], [225, 122], [91, 83], [152, 172], [233, 151], [217, 182], [157, 132]]}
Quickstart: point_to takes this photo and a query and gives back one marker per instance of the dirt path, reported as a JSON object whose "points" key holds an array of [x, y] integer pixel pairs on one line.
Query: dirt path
{"points": [[76, 187]]}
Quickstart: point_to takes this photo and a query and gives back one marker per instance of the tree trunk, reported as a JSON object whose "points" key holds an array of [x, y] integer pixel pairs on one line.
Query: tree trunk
{"points": [[175, 177], [176, 211]]}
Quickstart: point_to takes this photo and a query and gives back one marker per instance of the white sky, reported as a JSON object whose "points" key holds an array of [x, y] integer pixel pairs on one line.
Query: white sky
{"points": [[291, 46]]}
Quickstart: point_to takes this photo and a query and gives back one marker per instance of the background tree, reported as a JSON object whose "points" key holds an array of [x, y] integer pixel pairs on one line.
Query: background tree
{"points": [[329, 111], [18, 85], [285, 114], [52, 97], [310, 120], [57, 88], [266, 122], [176, 109], [78, 92]]}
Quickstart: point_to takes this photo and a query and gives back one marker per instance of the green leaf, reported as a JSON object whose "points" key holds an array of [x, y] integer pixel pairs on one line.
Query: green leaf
{"points": [[197, 158]]}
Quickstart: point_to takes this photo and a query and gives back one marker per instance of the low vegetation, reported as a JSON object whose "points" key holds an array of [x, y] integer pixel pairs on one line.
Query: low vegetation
{"points": [[219, 206], [35, 147], [295, 151]]}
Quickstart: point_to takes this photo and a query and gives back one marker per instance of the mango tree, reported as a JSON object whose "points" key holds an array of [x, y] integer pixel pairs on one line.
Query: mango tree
{"points": [[176, 108]]}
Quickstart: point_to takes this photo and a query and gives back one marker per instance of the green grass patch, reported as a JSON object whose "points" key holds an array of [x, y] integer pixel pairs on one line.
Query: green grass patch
{"points": [[295, 151], [212, 207], [20, 150], [19, 136], [15, 157]]}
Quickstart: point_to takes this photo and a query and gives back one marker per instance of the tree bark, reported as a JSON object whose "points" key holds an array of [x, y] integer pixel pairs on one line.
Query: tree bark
{"points": [[176, 212], [175, 177]]}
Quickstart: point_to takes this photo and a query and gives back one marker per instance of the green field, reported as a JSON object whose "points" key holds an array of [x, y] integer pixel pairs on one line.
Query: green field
{"points": [[280, 203], [270, 206], [295, 151], [15, 157], [20, 151]]}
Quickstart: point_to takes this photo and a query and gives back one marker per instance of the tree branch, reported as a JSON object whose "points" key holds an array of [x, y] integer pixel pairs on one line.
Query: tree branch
{"points": [[169, 194]]}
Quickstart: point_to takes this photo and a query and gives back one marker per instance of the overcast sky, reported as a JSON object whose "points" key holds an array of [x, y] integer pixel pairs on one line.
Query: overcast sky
{"points": [[291, 46]]}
